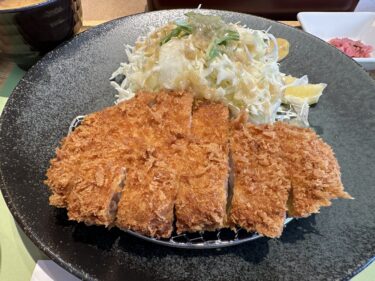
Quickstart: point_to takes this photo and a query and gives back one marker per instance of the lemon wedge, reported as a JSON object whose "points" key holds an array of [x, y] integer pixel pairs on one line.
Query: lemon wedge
{"points": [[283, 45], [288, 79], [298, 95]]}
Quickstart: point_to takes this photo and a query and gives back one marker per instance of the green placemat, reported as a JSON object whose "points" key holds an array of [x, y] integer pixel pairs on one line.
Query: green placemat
{"points": [[3, 101], [368, 274], [11, 82], [18, 255]]}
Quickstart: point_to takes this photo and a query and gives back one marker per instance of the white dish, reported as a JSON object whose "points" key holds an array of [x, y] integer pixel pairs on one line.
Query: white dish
{"points": [[354, 25]]}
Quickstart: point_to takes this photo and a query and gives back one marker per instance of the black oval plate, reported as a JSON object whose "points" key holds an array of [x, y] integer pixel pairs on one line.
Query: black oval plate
{"points": [[73, 80]]}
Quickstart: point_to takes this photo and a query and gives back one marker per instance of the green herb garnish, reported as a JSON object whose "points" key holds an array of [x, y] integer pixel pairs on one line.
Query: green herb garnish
{"points": [[182, 29], [214, 50], [230, 35]]}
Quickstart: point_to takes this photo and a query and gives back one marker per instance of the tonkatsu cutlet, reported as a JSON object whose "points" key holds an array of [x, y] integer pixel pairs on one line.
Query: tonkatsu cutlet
{"points": [[210, 124], [82, 176], [277, 168], [85, 144], [261, 186], [203, 171], [148, 199], [312, 169], [147, 202], [91, 167], [136, 163]]}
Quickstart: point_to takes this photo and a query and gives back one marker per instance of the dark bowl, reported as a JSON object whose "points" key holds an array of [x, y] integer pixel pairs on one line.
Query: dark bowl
{"points": [[28, 33]]}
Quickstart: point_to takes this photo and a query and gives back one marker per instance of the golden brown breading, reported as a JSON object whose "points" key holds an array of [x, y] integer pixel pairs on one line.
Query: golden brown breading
{"points": [[312, 169], [210, 124], [261, 187], [133, 163], [150, 191], [148, 199], [122, 137], [271, 161], [85, 144], [203, 170], [94, 198]]}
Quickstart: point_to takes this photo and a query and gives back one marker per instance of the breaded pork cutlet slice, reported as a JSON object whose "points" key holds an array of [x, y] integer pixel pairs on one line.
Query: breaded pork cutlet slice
{"points": [[103, 137], [88, 172], [148, 199], [261, 187], [90, 169], [85, 144], [93, 200], [203, 171], [100, 133], [312, 169]]}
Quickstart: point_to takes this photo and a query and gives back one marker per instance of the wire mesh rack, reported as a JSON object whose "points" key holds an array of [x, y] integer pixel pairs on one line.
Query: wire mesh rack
{"points": [[206, 240]]}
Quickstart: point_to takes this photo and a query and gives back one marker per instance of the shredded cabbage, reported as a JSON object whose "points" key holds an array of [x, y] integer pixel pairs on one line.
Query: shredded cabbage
{"points": [[214, 60]]}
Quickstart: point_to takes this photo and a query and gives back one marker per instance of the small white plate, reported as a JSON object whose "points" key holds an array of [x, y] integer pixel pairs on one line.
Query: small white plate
{"points": [[353, 25]]}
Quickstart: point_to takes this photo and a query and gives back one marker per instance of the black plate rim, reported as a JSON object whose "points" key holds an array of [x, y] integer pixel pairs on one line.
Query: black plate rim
{"points": [[4, 189]]}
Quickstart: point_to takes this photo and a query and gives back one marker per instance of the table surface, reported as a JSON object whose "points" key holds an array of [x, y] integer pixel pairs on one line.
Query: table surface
{"points": [[18, 255]]}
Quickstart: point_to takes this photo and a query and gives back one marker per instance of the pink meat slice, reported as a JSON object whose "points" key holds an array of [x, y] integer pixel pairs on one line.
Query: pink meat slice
{"points": [[354, 49]]}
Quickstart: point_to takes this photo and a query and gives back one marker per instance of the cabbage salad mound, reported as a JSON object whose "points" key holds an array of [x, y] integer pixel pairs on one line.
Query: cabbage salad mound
{"points": [[215, 60]]}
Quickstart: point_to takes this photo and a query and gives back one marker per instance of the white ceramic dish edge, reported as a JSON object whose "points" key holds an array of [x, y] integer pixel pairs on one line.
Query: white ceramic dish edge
{"points": [[354, 25]]}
